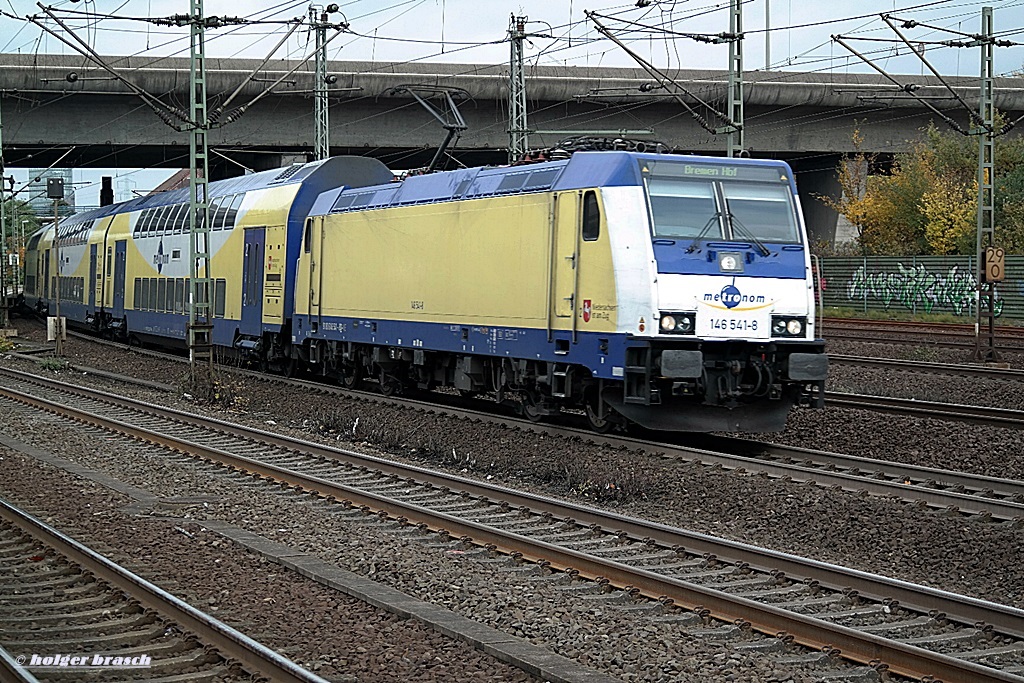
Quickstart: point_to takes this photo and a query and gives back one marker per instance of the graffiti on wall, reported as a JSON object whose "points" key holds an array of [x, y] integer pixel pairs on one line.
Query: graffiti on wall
{"points": [[917, 288]]}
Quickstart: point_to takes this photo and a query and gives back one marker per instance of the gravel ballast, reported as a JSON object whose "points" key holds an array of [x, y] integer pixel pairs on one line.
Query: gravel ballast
{"points": [[872, 534]]}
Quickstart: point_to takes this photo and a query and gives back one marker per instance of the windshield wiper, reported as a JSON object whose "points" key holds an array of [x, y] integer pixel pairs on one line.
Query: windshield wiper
{"points": [[738, 227], [703, 231]]}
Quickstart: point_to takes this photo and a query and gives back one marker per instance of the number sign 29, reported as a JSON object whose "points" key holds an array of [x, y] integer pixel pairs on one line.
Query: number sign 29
{"points": [[995, 268]]}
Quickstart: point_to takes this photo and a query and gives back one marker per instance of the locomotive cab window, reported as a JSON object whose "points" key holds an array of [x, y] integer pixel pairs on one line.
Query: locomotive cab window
{"points": [[591, 217], [704, 201], [307, 238], [763, 210]]}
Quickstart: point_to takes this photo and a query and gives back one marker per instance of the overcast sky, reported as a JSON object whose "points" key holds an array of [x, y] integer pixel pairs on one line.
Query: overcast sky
{"points": [[474, 31]]}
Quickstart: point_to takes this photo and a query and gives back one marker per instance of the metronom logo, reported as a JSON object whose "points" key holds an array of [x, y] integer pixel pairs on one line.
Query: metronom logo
{"points": [[731, 297]]}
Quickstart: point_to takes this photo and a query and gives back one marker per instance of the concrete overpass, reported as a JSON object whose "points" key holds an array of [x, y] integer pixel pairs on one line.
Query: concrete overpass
{"points": [[806, 118]]}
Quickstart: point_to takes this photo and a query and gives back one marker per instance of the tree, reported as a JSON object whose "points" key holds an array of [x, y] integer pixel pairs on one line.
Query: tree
{"points": [[853, 179], [927, 203], [950, 211]]}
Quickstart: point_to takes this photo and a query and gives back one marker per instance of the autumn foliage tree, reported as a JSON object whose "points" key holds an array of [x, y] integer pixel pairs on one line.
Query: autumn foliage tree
{"points": [[927, 202]]}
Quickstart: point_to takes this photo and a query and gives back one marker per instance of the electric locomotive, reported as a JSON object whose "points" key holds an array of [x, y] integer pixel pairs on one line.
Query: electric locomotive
{"points": [[670, 291]]}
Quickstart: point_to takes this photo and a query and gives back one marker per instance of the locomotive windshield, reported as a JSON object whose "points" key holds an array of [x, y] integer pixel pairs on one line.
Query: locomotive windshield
{"points": [[720, 202]]}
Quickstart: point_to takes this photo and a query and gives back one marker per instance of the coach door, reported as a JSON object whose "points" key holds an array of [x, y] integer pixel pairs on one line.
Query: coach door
{"points": [[314, 247], [120, 248], [252, 281], [92, 278]]}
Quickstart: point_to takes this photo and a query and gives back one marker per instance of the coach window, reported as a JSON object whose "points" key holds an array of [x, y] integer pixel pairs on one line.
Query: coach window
{"points": [[220, 288], [591, 217], [232, 217], [179, 295], [181, 219], [217, 218]]}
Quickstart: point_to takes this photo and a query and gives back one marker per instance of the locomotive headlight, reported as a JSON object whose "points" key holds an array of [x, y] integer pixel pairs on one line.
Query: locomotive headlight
{"points": [[785, 326], [677, 323], [730, 262]]}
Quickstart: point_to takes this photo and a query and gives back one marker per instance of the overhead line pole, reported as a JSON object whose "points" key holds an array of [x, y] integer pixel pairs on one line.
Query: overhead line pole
{"points": [[320, 113], [518, 131], [985, 345], [734, 137], [200, 322], [3, 233]]}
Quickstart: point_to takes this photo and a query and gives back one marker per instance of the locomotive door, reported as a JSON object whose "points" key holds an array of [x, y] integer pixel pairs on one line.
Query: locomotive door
{"points": [[120, 248], [252, 281], [564, 253], [91, 282], [314, 245]]}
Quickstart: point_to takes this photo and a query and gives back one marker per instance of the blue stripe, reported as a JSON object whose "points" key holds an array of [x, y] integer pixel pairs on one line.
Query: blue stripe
{"points": [[507, 342], [784, 262]]}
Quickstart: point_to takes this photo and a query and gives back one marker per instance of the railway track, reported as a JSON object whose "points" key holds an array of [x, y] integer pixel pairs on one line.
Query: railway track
{"points": [[958, 492], [911, 630], [949, 369], [58, 597], [981, 415], [947, 335]]}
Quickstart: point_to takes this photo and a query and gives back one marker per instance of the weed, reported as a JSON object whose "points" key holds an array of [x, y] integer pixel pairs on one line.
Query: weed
{"points": [[53, 364], [203, 384], [922, 354]]}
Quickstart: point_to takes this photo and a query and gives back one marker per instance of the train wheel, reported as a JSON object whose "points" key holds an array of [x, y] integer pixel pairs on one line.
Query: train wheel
{"points": [[389, 386], [530, 407], [350, 376], [601, 425], [291, 367]]}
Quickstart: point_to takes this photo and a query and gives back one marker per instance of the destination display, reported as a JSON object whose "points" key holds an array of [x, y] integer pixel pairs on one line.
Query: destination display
{"points": [[718, 171]]}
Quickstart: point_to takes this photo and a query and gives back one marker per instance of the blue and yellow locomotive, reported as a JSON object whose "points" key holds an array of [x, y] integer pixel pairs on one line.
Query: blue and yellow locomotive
{"points": [[670, 291]]}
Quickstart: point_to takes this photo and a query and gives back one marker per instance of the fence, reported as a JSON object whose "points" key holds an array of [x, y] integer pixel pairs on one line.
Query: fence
{"points": [[918, 284]]}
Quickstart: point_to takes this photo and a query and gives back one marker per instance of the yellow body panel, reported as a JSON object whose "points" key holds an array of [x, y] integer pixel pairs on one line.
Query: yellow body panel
{"points": [[501, 261]]}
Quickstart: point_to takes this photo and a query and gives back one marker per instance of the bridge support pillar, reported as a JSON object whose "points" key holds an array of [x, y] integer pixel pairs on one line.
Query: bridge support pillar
{"points": [[816, 178]]}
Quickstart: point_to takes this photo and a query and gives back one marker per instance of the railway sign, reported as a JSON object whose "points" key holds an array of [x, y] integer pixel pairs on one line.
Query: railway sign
{"points": [[993, 262]]}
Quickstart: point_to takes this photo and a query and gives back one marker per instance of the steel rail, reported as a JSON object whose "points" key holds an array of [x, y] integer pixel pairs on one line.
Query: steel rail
{"points": [[1010, 488], [230, 642], [855, 645], [875, 339], [966, 328], [12, 671], [920, 366], [981, 415]]}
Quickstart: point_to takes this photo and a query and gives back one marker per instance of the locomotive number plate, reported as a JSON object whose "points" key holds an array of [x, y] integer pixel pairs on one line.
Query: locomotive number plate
{"points": [[716, 322]]}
